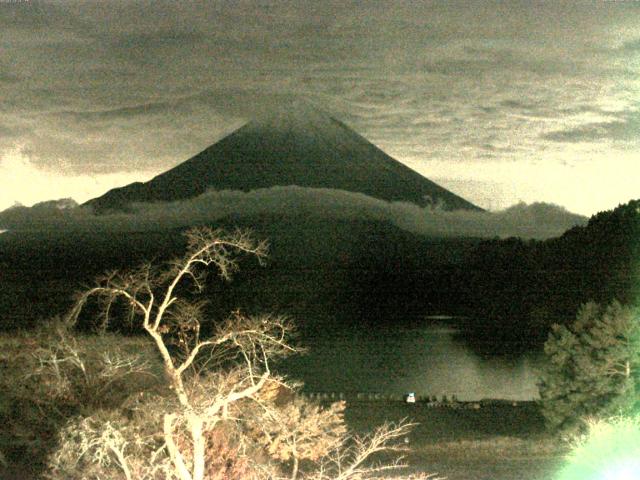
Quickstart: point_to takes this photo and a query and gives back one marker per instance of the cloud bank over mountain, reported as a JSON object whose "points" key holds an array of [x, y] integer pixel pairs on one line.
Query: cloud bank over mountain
{"points": [[538, 221]]}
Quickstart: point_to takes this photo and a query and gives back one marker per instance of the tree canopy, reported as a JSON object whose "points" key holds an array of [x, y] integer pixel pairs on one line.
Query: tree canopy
{"points": [[593, 366]]}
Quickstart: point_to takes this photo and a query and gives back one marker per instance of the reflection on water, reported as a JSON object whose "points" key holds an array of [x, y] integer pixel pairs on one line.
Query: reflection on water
{"points": [[426, 360]]}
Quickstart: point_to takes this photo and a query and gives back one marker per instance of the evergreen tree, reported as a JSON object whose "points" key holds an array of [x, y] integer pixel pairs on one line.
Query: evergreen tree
{"points": [[592, 367]]}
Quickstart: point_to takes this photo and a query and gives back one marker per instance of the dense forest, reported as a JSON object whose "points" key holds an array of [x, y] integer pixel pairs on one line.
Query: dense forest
{"points": [[329, 273], [522, 288]]}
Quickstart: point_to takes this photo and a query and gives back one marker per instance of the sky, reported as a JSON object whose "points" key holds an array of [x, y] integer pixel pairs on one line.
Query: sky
{"points": [[500, 102]]}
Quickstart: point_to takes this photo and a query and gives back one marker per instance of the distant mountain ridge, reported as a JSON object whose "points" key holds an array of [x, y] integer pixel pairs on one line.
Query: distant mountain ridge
{"points": [[300, 146]]}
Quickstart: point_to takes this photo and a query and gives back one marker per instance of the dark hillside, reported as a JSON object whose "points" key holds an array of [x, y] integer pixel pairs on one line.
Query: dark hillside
{"points": [[521, 288], [319, 270]]}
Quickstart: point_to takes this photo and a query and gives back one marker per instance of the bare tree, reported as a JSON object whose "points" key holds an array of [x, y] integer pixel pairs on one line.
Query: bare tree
{"points": [[153, 300], [232, 385]]}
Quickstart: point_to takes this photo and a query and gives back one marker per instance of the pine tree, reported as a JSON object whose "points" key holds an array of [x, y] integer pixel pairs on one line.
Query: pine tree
{"points": [[592, 367]]}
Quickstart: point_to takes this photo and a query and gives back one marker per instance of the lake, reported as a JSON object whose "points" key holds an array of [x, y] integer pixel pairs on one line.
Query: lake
{"points": [[427, 360]]}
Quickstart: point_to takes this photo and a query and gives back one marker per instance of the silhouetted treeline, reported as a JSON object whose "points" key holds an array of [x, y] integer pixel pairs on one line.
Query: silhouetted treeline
{"points": [[515, 290]]}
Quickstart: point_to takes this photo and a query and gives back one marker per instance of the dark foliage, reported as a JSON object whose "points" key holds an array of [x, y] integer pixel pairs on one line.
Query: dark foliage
{"points": [[592, 367], [522, 288]]}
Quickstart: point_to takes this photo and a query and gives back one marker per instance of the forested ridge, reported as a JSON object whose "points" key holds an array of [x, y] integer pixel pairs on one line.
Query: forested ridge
{"points": [[522, 287]]}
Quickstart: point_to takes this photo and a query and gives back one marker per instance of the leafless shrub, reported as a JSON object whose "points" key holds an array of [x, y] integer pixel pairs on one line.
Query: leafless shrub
{"points": [[50, 374], [91, 370]]}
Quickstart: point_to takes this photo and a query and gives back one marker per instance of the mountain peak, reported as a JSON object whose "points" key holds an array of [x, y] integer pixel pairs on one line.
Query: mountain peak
{"points": [[294, 116], [293, 144]]}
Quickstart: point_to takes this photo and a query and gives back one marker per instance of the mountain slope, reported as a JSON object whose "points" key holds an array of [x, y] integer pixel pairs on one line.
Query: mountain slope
{"points": [[299, 146]]}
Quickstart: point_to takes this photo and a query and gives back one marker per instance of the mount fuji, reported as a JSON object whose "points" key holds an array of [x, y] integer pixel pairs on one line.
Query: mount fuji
{"points": [[298, 145]]}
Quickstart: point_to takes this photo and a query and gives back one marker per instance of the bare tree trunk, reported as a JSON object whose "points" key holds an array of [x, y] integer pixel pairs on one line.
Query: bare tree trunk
{"points": [[195, 425], [294, 472]]}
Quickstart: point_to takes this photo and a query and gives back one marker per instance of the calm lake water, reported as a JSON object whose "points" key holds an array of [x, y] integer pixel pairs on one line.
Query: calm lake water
{"points": [[427, 360]]}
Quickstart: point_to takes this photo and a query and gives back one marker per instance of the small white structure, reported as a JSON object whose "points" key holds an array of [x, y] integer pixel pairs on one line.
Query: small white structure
{"points": [[410, 397]]}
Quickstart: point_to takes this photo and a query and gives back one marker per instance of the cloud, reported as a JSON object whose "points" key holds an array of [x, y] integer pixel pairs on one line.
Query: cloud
{"points": [[99, 87], [624, 129], [120, 113], [150, 136], [631, 45], [25, 183], [526, 221]]}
